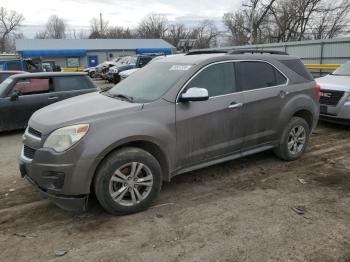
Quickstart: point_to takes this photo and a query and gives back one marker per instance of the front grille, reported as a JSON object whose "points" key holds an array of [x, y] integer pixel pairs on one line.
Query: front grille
{"points": [[34, 132], [330, 97], [28, 152]]}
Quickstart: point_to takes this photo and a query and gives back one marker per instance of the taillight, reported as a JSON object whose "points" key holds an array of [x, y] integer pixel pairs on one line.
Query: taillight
{"points": [[317, 89]]}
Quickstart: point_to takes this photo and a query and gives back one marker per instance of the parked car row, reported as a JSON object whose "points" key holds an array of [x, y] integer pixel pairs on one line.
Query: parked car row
{"points": [[111, 70]]}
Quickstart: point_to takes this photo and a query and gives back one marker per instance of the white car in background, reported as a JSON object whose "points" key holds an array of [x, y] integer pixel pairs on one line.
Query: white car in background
{"points": [[126, 73], [335, 99]]}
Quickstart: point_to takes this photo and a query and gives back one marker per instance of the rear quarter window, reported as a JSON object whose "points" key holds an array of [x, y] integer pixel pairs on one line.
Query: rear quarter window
{"points": [[298, 67], [256, 75], [70, 83]]}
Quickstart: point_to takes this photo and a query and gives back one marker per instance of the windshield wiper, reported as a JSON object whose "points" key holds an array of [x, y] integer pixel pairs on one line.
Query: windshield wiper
{"points": [[120, 96]]}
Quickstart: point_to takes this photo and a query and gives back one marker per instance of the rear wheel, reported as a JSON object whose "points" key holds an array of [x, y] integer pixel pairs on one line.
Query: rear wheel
{"points": [[128, 181], [294, 139]]}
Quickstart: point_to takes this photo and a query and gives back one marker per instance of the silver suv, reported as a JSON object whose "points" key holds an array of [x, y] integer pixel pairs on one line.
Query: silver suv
{"points": [[335, 95], [173, 116]]}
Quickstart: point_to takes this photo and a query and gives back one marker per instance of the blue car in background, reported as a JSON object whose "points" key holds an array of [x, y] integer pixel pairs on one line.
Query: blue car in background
{"points": [[28, 65]]}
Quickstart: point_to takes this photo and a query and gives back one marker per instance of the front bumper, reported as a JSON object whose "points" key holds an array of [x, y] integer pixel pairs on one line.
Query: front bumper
{"points": [[335, 120], [69, 203], [339, 114]]}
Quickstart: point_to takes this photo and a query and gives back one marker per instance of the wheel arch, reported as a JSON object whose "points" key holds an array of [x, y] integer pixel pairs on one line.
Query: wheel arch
{"points": [[149, 146], [306, 115]]}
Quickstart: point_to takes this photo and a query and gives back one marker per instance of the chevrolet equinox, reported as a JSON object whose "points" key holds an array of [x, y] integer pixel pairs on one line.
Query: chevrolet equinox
{"points": [[175, 115]]}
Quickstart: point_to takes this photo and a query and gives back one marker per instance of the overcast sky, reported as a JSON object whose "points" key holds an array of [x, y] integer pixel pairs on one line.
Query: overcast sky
{"points": [[128, 13]]}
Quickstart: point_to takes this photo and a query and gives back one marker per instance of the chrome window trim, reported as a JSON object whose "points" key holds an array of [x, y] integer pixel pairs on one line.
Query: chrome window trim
{"points": [[232, 61]]}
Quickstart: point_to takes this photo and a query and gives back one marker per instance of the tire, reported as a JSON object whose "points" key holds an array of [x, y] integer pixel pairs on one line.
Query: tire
{"points": [[92, 74], [284, 150], [116, 79], [119, 167]]}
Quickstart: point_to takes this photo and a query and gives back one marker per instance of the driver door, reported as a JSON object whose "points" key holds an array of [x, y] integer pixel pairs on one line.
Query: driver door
{"points": [[210, 129], [34, 93]]}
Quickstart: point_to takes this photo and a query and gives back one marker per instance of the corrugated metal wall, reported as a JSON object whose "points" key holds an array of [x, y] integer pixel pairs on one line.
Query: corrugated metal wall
{"points": [[330, 51]]}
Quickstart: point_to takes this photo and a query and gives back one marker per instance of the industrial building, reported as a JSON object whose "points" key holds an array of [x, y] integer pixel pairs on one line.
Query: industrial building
{"points": [[73, 53]]}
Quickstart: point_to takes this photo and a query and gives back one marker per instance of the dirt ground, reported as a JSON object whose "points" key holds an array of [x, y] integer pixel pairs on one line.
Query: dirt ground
{"points": [[237, 211]]}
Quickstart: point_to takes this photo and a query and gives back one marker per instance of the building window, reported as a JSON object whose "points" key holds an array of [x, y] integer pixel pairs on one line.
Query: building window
{"points": [[73, 62]]}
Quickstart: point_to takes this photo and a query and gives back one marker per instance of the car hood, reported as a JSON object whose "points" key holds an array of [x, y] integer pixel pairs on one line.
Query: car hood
{"points": [[87, 108], [333, 82]]}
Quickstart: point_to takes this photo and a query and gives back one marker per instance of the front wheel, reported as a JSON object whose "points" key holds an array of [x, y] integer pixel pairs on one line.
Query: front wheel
{"points": [[128, 181], [294, 141]]}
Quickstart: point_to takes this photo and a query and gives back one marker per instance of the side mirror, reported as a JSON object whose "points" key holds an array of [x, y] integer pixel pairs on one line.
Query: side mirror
{"points": [[195, 94], [15, 95]]}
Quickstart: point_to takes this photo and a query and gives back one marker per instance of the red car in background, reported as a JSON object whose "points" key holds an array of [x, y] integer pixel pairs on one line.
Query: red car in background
{"points": [[6, 74]]}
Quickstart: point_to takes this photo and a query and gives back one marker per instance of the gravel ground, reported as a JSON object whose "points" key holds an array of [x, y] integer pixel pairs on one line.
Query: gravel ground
{"points": [[243, 210]]}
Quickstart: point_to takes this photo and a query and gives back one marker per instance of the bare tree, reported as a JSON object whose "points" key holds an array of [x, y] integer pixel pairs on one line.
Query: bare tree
{"points": [[265, 21], [245, 25], [176, 32], [206, 34], [153, 26], [331, 20], [56, 28], [98, 28], [237, 27], [256, 12], [118, 32], [10, 21]]}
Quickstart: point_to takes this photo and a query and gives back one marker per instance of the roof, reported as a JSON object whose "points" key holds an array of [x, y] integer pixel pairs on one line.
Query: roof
{"points": [[12, 72], [196, 59], [188, 59], [90, 44], [48, 74]]}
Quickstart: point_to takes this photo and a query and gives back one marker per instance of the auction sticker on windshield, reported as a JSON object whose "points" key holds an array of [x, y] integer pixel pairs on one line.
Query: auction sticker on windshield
{"points": [[179, 68]]}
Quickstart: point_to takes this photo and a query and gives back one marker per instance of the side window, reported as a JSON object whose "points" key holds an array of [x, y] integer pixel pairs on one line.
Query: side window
{"points": [[255, 75], [144, 61], [30, 86], [69, 83], [218, 79], [14, 65]]}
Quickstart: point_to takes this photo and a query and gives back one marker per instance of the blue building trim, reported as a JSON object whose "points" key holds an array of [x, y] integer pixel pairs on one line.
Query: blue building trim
{"points": [[54, 53], [166, 51]]}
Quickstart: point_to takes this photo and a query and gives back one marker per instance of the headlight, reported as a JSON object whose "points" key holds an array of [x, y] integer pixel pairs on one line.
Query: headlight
{"points": [[65, 137], [115, 71]]}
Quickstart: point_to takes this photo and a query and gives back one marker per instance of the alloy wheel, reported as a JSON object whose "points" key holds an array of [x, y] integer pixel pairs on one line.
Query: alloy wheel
{"points": [[131, 184], [296, 139]]}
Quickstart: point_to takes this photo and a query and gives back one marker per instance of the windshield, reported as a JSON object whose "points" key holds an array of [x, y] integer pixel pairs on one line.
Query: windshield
{"points": [[3, 77], [344, 70], [5, 84], [150, 83]]}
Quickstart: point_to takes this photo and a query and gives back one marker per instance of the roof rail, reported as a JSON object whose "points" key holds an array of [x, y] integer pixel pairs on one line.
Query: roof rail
{"points": [[203, 52], [256, 51]]}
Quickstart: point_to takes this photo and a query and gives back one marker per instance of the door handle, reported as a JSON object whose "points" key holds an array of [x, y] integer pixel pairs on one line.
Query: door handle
{"points": [[234, 105], [53, 98]]}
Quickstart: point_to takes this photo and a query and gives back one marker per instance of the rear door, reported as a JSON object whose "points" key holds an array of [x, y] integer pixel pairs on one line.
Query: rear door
{"points": [[34, 94], [210, 129], [70, 86], [264, 91]]}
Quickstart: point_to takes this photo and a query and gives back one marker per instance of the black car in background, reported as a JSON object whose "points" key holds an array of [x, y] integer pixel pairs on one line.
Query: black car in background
{"points": [[126, 63], [23, 94]]}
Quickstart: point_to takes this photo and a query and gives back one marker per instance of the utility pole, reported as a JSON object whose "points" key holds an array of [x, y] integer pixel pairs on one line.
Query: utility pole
{"points": [[101, 24]]}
